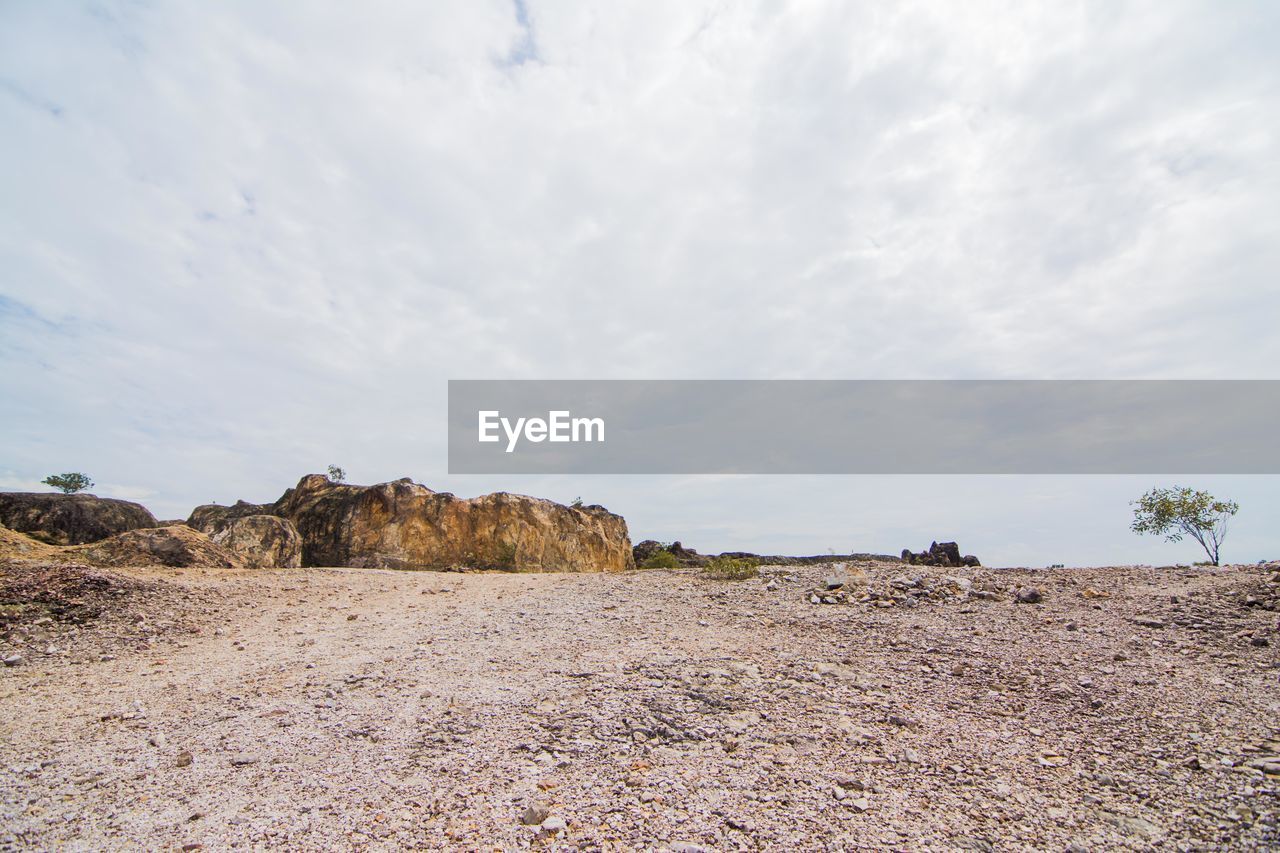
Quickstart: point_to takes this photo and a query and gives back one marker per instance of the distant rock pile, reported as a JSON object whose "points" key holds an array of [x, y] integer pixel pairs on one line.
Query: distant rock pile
{"points": [[70, 519], [683, 556], [945, 555], [852, 586]]}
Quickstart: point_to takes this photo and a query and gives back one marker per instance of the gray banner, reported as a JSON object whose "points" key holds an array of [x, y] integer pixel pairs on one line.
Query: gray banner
{"points": [[864, 426]]}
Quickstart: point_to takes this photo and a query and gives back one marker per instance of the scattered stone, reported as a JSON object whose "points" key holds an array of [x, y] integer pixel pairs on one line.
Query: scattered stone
{"points": [[1028, 595], [535, 814]]}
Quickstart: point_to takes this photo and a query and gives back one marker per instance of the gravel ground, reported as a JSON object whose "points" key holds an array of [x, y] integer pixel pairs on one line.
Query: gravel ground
{"points": [[333, 709]]}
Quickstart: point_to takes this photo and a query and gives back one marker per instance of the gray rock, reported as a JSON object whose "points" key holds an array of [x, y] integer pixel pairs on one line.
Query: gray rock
{"points": [[535, 814], [1029, 595]]}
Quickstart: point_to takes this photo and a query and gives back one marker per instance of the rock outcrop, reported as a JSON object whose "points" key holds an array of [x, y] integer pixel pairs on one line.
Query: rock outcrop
{"points": [[178, 546], [214, 518], [943, 554], [262, 541], [70, 519], [683, 556], [406, 525]]}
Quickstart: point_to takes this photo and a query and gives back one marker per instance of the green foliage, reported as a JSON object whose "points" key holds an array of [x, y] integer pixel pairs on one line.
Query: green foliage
{"points": [[577, 503], [69, 483], [662, 559], [1177, 512], [336, 474], [732, 568]]}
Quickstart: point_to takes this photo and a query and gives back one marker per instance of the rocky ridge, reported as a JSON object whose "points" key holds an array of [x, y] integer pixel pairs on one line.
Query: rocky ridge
{"points": [[57, 519]]}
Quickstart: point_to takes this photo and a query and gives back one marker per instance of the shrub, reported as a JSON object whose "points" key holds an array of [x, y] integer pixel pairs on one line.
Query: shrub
{"points": [[660, 560], [336, 474], [732, 568], [69, 483]]}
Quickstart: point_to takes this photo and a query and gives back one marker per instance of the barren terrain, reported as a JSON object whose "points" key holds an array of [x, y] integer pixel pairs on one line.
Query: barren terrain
{"points": [[322, 709]]}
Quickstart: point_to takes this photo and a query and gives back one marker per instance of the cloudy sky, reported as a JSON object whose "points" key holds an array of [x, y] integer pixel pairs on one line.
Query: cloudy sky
{"points": [[241, 241]]}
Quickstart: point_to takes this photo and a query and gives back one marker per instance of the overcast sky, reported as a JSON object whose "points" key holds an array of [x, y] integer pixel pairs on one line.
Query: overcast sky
{"points": [[244, 240]]}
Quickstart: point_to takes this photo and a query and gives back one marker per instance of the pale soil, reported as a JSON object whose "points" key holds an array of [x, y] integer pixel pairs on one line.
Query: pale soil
{"points": [[361, 709]]}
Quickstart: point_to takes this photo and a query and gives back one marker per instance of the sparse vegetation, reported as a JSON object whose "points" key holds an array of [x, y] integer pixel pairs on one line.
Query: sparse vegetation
{"points": [[1177, 512], [69, 483], [505, 556], [577, 503], [336, 474], [662, 559], [732, 568]]}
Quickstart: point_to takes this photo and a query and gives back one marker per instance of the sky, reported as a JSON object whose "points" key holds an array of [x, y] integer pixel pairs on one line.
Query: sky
{"points": [[243, 241]]}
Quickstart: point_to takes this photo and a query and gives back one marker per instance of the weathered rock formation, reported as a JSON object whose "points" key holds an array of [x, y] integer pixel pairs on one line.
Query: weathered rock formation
{"points": [[70, 519], [683, 556], [213, 518], [262, 541], [944, 554], [406, 525], [165, 546]]}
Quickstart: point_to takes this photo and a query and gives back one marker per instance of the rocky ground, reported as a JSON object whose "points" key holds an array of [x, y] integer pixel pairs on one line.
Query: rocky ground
{"points": [[322, 709]]}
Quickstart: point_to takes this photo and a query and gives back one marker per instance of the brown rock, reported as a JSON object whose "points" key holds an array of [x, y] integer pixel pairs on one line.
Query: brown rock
{"points": [[70, 519], [165, 546], [262, 542], [214, 518], [406, 525]]}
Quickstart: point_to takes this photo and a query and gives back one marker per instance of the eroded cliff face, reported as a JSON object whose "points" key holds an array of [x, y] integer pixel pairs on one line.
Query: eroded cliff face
{"points": [[406, 525]]}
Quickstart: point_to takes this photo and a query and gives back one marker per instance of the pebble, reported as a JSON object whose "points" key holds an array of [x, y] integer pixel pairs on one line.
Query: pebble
{"points": [[13, 660]]}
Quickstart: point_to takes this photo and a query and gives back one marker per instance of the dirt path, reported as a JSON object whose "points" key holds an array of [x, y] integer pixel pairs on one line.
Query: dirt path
{"points": [[360, 709]]}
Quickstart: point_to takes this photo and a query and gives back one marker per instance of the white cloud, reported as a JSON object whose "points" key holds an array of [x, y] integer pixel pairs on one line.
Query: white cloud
{"points": [[242, 240]]}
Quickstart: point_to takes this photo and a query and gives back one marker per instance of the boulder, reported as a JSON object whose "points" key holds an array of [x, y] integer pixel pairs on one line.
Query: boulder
{"points": [[262, 541], [683, 556], [70, 519], [213, 518], [944, 554], [164, 546], [406, 525]]}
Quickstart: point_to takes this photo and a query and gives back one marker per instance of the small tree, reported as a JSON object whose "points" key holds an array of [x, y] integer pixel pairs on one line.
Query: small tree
{"points": [[69, 483], [1177, 512], [336, 474]]}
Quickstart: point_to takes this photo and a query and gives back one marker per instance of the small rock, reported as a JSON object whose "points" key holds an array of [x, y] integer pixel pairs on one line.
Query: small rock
{"points": [[1029, 595], [535, 814], [184, 759], [554, 825], [13, 660]]}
